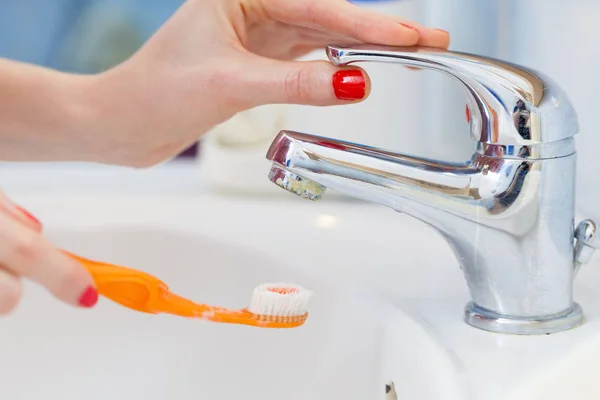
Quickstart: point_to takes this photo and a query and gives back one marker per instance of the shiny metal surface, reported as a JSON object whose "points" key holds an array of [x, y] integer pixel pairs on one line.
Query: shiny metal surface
{"points": [[296, 184], [506, 101], [508, 213], [586, 242], [490, 321]]}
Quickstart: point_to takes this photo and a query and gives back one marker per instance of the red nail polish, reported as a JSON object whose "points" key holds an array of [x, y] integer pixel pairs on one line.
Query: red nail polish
{"points": [[28, 215], [468, 114], [89, 298], [409, 27], [349, 84]]}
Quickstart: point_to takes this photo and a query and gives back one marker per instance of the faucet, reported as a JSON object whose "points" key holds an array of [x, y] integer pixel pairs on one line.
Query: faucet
{"points": [[507, 213]]}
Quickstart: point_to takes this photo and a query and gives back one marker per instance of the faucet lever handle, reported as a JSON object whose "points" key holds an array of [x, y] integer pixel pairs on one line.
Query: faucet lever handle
{"points": [[509, 104]]}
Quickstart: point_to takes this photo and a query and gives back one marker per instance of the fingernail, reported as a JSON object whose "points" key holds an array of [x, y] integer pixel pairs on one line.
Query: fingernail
{"points": [[349, 84], [410, 27], [29, 216], [441, 30], [89, 298]]}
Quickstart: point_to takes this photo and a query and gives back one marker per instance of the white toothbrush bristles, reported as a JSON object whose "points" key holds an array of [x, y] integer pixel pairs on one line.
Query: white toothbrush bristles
{"points": [[279, 300]]}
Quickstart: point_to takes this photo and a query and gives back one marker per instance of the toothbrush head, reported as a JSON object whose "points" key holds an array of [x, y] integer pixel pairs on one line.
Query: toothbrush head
{"points": [[273, 305], [280, 302]]}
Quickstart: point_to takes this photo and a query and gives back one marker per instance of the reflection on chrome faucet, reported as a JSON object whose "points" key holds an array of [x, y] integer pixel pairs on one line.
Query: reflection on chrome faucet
{"points": [[521, 119], [509, 177], [507, 214]]}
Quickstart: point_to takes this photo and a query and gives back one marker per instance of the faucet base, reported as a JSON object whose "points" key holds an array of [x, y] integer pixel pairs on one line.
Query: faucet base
{"points": [[490, 321]]}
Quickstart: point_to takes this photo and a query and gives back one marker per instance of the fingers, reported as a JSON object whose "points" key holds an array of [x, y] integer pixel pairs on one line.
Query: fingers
{"points": [[344, 18], [373, 27], [341, 17], [316, 83], [24, 252], [434, 38], [368, 26]]}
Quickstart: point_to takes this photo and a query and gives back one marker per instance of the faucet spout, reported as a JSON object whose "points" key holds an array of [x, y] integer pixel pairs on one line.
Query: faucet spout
{"points": [[507, 213], [395, 180]]}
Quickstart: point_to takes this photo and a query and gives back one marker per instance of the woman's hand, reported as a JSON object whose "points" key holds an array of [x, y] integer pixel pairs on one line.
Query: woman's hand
{"points": [[211, 60], [25, 253], [215, 58]]}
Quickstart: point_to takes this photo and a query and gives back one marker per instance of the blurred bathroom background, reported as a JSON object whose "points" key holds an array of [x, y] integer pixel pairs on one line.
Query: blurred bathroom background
{"points": [[416, 112]]}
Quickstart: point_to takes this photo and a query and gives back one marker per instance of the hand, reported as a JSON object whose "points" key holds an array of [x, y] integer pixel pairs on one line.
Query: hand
{"points": [[24, 252], [215, 58]]}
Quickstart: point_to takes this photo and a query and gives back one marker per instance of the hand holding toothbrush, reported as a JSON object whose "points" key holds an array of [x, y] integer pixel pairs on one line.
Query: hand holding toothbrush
{"points": [[25, 253]]}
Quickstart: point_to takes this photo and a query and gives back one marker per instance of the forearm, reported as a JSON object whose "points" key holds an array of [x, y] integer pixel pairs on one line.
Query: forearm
{"points": [[43, 113]]}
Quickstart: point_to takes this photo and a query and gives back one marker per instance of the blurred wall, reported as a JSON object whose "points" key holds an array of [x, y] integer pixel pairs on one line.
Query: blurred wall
{"points": [[78, 35]]}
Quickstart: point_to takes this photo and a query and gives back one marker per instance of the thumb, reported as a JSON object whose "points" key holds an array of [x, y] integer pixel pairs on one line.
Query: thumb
{"points": [[316, 83]]}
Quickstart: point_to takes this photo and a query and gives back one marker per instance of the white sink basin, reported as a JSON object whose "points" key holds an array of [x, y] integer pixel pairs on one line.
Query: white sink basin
{"points": [[387, 307], [49, 351]]}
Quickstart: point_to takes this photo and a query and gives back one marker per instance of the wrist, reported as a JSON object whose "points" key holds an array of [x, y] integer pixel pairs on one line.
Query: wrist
{"points": [[110, 116], [116, 116], [149, 112], [73, 126], [42, 113]]}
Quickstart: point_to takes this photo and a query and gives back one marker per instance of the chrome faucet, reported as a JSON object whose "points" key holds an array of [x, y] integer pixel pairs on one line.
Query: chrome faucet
{"points": [[507, 214]]}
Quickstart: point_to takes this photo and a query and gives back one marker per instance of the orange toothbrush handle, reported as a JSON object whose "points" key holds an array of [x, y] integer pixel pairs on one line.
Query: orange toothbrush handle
{"points": [[138, 290], [143, 292]]}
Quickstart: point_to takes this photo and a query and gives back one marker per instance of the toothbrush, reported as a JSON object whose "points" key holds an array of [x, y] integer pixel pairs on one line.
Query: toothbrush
{"points": [[272, 305]]}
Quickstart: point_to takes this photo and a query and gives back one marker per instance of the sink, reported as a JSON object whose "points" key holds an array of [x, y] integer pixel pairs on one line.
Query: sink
{"points": [[386, 309], [49, 351]]}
